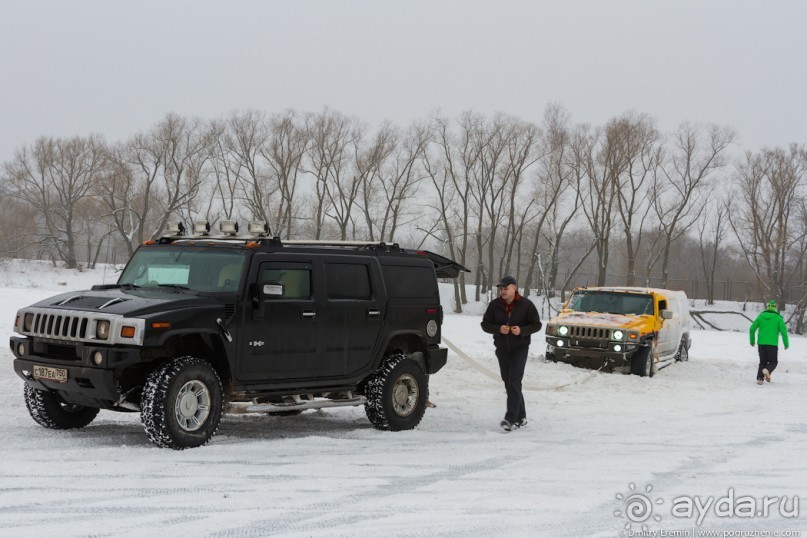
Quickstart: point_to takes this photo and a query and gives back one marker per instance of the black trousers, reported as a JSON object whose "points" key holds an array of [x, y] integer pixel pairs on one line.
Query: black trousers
{"points": [[511, 365], [768, 358]]}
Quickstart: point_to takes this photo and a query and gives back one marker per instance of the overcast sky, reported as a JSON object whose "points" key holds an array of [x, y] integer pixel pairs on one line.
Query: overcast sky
{"points": [[115, 67]]}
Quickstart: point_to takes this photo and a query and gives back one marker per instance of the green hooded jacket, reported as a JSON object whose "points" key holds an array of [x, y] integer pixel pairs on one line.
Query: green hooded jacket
{"points": [[770, 324]]}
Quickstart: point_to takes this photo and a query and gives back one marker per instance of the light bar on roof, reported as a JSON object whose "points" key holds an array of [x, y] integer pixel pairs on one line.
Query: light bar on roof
{"points": [[201, 227], [259, 228], [228, 227], [175, 228]]}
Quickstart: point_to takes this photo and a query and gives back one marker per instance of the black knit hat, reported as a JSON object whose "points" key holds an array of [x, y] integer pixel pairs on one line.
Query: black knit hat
{"points": [[506, 281]]}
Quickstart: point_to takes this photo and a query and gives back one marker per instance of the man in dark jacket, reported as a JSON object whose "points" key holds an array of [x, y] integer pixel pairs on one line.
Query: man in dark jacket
{"points": [[770, 325], [511, 319]]}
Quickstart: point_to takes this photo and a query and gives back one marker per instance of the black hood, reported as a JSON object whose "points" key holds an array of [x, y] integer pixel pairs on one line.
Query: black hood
{"points": [[127, 302]]}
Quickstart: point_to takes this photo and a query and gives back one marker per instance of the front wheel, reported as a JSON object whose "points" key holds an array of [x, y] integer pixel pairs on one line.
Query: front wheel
{"points": [[48, 410], [397, 394], [643, 362], [181, 404]]}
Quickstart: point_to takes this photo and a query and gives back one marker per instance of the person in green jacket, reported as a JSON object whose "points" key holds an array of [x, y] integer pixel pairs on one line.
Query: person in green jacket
{"points": [[770, 324]]}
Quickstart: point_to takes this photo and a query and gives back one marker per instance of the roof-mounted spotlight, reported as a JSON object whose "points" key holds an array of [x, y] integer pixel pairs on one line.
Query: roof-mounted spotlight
{"points": [[259, 228], [228, 227], [201, 227], [175, 228]]}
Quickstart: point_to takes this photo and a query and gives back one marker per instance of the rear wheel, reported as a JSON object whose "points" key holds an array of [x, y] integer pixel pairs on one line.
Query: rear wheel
{"points": [[683, 352], [397, 394], [48, 410], [182, 403]]}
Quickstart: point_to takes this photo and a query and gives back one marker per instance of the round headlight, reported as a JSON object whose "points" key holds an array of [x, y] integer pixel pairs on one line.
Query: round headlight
{"points": [[617, 348], [563, 330], [618, 335], [560, 343], [102, 330], [98, 358], [431, 328]]}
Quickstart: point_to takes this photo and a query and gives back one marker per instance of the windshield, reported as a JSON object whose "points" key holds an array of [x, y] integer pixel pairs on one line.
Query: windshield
{"points": [[608, 301], [184, 268]]}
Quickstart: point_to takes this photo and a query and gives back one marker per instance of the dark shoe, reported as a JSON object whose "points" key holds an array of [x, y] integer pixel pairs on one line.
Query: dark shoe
{"points": [[520, 423], [506, 426], [767, 374]]}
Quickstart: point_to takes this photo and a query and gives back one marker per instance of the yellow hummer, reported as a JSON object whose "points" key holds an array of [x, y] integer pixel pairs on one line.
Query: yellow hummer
{"points": [[635, 330]]}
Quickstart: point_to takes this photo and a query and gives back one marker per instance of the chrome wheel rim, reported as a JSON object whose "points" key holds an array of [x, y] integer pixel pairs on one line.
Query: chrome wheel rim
{"points": [[405, 395], [192, 406]]}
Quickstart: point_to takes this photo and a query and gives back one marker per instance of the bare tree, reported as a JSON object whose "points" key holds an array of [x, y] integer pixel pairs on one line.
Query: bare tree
{"points": [[643, 157], [712, 233], [55, 176], [764, 216], [678, 200], [283, 151], [333, 136], [555, 177]]}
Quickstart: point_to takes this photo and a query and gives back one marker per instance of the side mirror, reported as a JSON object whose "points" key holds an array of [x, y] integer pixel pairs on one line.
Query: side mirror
{"points": [[272, 290], [666, 314]]}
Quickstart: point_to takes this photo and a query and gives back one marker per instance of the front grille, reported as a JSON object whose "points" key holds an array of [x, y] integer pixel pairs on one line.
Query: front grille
{"points": [[589, 332], [59, 326]]}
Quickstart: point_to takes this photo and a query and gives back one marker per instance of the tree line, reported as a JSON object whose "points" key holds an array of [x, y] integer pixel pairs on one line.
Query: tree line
{"points": [[547, 200]]}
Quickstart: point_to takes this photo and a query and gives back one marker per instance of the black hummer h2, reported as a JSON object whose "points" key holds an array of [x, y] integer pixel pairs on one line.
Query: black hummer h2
{"points": [[197, 322]]}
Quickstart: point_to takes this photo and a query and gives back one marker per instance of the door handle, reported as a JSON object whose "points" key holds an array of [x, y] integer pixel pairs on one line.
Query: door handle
{"points": [[374, 313], [309, 314]]}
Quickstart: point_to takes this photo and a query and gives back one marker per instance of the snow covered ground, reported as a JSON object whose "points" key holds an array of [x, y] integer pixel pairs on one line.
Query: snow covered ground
{"points": [[702, 429]]}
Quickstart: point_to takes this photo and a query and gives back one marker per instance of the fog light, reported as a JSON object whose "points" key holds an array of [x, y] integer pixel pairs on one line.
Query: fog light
{"points": [[228, 227], [560, 343], [21, 350], [431, 328], [259, 228], [98, 358], [201, 227], [617, 348]]}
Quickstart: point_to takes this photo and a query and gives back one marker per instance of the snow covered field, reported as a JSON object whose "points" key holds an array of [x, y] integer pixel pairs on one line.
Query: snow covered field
{"points": [[697, 429]]}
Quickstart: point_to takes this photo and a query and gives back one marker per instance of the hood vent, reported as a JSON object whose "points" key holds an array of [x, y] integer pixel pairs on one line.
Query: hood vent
{"points": [[94, 303]]}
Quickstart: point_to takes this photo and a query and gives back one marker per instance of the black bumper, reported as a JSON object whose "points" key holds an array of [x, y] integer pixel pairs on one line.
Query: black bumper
{"points": [[592, 357], [436, 358], [87, 385]]}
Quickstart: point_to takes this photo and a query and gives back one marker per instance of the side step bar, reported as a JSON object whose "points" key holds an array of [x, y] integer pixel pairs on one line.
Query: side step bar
{"points": [[298, 404]]}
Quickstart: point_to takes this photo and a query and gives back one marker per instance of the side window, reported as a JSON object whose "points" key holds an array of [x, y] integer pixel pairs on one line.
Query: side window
{"points": [[296, 282], [347, 281], [662, 305]]}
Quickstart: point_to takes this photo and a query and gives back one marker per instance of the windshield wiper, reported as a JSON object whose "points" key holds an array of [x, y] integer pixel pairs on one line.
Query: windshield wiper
{"points": [[124, 286], [177, 287]]}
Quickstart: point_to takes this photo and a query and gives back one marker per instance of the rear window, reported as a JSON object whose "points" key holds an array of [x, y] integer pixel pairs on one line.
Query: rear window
{"points": [[347, 281], [410, 281]]}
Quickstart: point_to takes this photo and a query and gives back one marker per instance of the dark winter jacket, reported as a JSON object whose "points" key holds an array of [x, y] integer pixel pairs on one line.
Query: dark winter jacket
{"points": [[770, 324], [521, 312]]}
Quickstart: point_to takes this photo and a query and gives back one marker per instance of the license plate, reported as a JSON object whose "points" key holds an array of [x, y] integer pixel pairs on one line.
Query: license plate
{"points": [[44, 373]]}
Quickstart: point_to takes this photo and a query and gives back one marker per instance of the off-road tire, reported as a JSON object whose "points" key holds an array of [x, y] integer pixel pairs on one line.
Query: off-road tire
{"points": [[399, 375], [188, 387], [683, 353], [48, 410], [550, 357], [642, 363]]}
